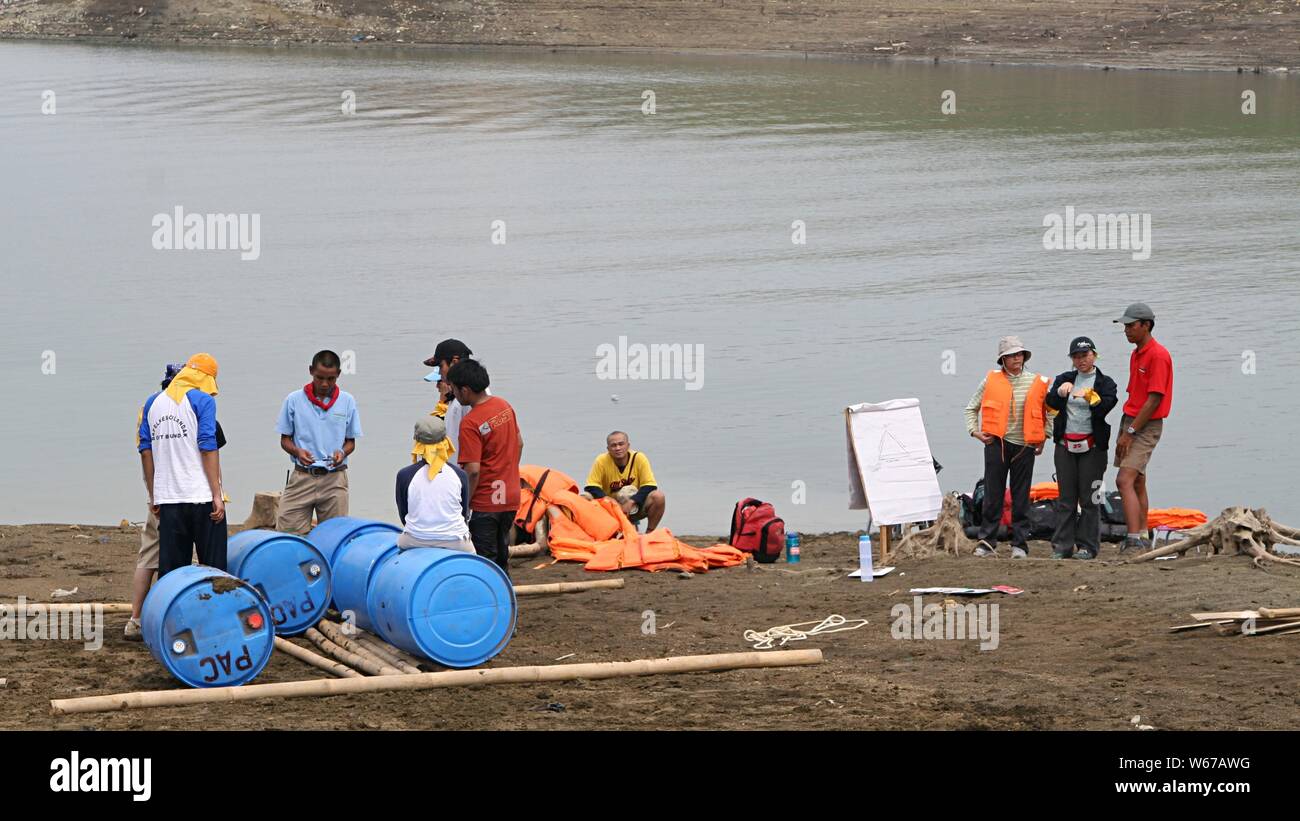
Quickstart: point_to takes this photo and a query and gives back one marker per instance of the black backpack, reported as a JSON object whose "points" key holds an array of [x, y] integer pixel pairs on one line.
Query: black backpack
{"points": [[1042, 518]]}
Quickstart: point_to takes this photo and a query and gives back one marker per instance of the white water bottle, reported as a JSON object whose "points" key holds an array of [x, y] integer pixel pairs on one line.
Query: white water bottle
{"points": [[864, 557]]}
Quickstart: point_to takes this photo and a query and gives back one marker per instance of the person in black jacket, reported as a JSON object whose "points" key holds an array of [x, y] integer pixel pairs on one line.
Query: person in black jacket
{"points": [[1082, 397]]}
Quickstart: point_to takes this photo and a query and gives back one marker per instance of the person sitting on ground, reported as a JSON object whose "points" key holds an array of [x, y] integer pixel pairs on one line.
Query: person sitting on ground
{"points": [[433, 493], [626, 474]]}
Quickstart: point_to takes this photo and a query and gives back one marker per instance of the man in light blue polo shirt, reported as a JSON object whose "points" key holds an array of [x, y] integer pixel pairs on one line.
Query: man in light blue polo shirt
{"points": [[318, 428]]}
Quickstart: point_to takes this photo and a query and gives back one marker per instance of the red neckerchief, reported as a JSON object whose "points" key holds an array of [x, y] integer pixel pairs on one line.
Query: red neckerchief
{"points": [[323, 404]]}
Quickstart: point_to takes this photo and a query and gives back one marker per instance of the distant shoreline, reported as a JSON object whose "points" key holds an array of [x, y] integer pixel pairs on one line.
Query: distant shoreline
{"points": [[1249, 36]]}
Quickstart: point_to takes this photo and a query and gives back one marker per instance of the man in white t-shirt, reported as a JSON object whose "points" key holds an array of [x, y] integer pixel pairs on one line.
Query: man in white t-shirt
{"points": [[448, 353], [178, 451], [433, 493]]}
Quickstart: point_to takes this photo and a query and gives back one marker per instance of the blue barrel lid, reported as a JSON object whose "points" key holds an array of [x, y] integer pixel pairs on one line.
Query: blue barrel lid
{"points": [[289, 571], [331, 534], [354, 570], [207, 627], [455, 608]]}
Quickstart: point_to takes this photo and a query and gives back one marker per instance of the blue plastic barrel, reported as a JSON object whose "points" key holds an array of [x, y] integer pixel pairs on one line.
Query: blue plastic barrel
{"points": [[289, 571], [455, 608], [332, 534], [207, 627], [354, 568]]}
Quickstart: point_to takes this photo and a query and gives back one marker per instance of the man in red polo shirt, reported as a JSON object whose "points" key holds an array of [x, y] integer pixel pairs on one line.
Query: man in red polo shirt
{"points": [[1150, 392], [490, 448]]}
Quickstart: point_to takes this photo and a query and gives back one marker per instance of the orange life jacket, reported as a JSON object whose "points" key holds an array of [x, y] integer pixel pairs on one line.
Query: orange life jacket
{"points": [[560, 490], [1175, 518], [1044, 490], [995, 407]]}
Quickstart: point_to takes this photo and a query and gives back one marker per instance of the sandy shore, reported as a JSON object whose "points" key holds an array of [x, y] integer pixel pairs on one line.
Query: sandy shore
{"points": [[1085, 647], [1195, 34]]}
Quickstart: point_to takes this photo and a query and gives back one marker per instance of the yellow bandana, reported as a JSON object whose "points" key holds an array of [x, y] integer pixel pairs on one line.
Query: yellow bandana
{"points": [[436, 455], [190, 378], [440, 411]]}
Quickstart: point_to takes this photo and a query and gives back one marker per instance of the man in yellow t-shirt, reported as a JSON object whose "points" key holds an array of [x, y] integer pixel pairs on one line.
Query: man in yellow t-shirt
{"points": [[626, 475]]}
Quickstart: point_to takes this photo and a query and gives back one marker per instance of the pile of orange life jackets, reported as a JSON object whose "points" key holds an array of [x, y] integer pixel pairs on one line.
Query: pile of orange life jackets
{"points": [[600, 534]]}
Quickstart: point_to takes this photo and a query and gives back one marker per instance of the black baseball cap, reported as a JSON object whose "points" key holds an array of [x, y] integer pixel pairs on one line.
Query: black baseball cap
{"points": [[447, 349], [1082, 344]]}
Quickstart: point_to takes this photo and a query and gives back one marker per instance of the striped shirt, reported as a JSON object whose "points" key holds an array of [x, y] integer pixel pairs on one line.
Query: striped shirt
{"points": [[1020, 386]]}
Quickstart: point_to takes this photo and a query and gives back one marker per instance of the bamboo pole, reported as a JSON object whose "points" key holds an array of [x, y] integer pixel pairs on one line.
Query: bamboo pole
{"points": [[391, 655], [303, 654], [351, 659], [109, 607], [567, 587], [427, 681], [372, 638], [335, 633]]}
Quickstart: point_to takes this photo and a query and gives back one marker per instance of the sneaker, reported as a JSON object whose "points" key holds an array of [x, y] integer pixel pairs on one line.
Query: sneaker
{"points": [[1139, 545], [985, 549], [1085, 554], [1060, 554], [133, 630], [1019, 553]]}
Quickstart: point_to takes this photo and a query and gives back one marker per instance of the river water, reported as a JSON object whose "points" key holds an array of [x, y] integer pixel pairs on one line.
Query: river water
{"points": [[923, 244]]}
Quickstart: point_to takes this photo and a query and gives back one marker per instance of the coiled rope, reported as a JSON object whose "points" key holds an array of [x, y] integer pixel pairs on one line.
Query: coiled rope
{"points": [[783, 634]]}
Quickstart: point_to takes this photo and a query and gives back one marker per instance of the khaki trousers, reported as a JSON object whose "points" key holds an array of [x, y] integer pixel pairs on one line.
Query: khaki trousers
{"points": [[325, 495]]}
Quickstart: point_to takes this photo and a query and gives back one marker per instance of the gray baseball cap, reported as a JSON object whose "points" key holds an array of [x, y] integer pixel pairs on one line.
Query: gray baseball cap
{"points": [[1136, 311], [430, 430]]}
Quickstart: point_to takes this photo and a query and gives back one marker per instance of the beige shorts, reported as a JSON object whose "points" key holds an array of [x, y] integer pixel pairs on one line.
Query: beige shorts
{"points": [[325, 495], [148, 559], [1144, 441]]}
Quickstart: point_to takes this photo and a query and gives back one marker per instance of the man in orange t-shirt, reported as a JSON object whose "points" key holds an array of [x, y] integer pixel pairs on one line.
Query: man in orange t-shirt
{"points": [[490, 449]]}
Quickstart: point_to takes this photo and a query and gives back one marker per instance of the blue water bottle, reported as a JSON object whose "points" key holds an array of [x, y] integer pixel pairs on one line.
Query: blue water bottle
{"points": [[792, 548], [864, 558]]}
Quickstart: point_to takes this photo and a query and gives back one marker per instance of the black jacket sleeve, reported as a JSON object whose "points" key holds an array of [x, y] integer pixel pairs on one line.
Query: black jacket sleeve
{"points": [[403, 484], [1109, 393], [596, 493], [1054, 400]]}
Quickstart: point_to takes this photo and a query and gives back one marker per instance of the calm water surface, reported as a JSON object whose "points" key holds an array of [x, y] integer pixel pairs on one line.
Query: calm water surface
{"points": [[924, 236]]}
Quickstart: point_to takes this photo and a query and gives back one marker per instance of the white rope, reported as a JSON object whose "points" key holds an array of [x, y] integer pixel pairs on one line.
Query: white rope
{"points": [[783, 634]]}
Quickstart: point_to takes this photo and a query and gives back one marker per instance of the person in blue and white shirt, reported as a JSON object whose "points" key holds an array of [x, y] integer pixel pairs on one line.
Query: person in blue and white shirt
{"points": [[433, 493], [319, 427], [182, 471]]}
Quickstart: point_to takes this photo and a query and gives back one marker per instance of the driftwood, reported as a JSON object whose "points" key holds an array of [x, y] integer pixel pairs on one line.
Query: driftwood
{"points": [[303, 654], [427, 681], [1265, 620], [1236, 531], [266, 507], [946, 535]]}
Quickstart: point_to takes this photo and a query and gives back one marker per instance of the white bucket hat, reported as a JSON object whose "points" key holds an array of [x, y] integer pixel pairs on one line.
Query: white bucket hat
{"points": [[1008, 345]]}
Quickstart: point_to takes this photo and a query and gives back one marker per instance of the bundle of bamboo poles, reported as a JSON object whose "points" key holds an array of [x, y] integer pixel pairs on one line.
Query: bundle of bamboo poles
{"points": [[1264, 621]]}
